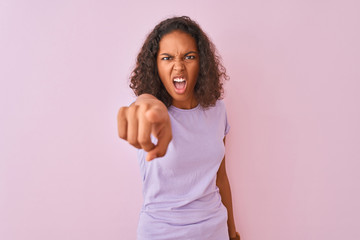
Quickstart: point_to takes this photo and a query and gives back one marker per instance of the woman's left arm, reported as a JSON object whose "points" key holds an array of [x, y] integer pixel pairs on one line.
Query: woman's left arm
{"points": [[222, 182]]}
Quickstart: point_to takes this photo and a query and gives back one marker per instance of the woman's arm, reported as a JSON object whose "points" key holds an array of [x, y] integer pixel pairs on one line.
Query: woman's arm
{"points": [[222, 182]]}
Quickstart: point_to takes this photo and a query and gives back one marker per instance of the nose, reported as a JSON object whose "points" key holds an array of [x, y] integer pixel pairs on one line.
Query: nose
{"points": [[178, 65]]}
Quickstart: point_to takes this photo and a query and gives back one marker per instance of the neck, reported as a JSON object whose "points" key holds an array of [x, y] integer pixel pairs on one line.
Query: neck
{"points": [[185, 105]]}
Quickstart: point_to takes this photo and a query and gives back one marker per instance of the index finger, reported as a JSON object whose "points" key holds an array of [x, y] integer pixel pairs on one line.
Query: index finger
{"points": [[161, 147]]}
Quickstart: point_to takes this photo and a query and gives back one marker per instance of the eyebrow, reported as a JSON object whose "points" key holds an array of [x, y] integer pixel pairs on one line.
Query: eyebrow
{"points": [[166, 54]]}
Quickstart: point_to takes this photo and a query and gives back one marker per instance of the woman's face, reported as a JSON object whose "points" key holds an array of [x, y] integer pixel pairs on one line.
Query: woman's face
{"points": [[178, 67]]}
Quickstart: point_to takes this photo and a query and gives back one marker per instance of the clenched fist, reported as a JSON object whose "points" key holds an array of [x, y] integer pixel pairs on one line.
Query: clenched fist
{"points": [[146, 116]]}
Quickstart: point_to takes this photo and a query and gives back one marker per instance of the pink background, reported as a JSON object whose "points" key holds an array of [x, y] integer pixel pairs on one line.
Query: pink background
{"points": [[293, 150]]}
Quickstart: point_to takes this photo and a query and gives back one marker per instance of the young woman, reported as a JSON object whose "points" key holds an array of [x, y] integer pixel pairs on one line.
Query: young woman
{"points": [[179, 123]]}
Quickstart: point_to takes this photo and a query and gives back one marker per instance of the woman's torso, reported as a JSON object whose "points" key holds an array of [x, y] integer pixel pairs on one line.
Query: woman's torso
{"points": [[181, 199]]}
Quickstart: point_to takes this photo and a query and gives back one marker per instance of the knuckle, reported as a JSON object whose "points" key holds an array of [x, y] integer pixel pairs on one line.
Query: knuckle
{"points": [[122, 135], [133, 109], [122, 112], [132, 141], [142, 109], [135, 145], [143, 140], [161, 152], [144, 106]]}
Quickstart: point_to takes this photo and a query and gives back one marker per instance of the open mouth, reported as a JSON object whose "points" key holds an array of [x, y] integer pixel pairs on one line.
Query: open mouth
{"points": [[179, 84]]}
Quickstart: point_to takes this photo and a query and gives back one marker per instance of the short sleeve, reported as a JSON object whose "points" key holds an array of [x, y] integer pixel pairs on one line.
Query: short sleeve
{"points": [[227, 126]]}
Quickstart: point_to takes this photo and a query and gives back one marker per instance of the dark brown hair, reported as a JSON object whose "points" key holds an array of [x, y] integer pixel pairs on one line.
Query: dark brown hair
{"points": [[209, 84]]}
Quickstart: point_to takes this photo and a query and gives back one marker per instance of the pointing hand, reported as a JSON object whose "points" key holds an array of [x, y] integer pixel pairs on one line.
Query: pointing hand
{"points": [[146, 116]]}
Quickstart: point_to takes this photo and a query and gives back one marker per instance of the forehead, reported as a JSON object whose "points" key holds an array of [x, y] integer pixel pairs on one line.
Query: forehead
{"points": [[177, 41]]}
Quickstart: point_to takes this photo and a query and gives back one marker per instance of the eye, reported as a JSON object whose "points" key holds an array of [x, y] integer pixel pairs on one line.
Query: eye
{"points": [[166, 58], [190, 57]]}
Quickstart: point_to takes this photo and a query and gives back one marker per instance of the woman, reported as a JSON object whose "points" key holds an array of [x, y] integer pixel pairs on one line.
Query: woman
{"points": [[178, 123]]}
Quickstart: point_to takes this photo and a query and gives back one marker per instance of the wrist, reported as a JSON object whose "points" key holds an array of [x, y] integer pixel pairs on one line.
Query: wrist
{"points": [[237, 237]]}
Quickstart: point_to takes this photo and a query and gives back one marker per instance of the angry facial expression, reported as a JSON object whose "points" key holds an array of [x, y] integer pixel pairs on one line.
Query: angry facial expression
{"points": [[178, 67]]}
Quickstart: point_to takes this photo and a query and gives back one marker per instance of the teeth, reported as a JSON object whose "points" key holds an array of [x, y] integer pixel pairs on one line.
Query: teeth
{"points": [[179, 79]]}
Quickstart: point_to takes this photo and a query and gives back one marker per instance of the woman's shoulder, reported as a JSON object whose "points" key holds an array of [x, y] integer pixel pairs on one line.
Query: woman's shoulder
{"points": [[219, 104], [218, 108]]}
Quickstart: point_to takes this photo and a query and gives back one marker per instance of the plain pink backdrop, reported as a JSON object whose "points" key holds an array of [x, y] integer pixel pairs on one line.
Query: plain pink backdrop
{"points": [[292, 101]]}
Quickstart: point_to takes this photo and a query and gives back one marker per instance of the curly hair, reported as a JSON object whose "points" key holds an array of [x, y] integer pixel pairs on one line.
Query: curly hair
{"points": [[209, 85]]}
